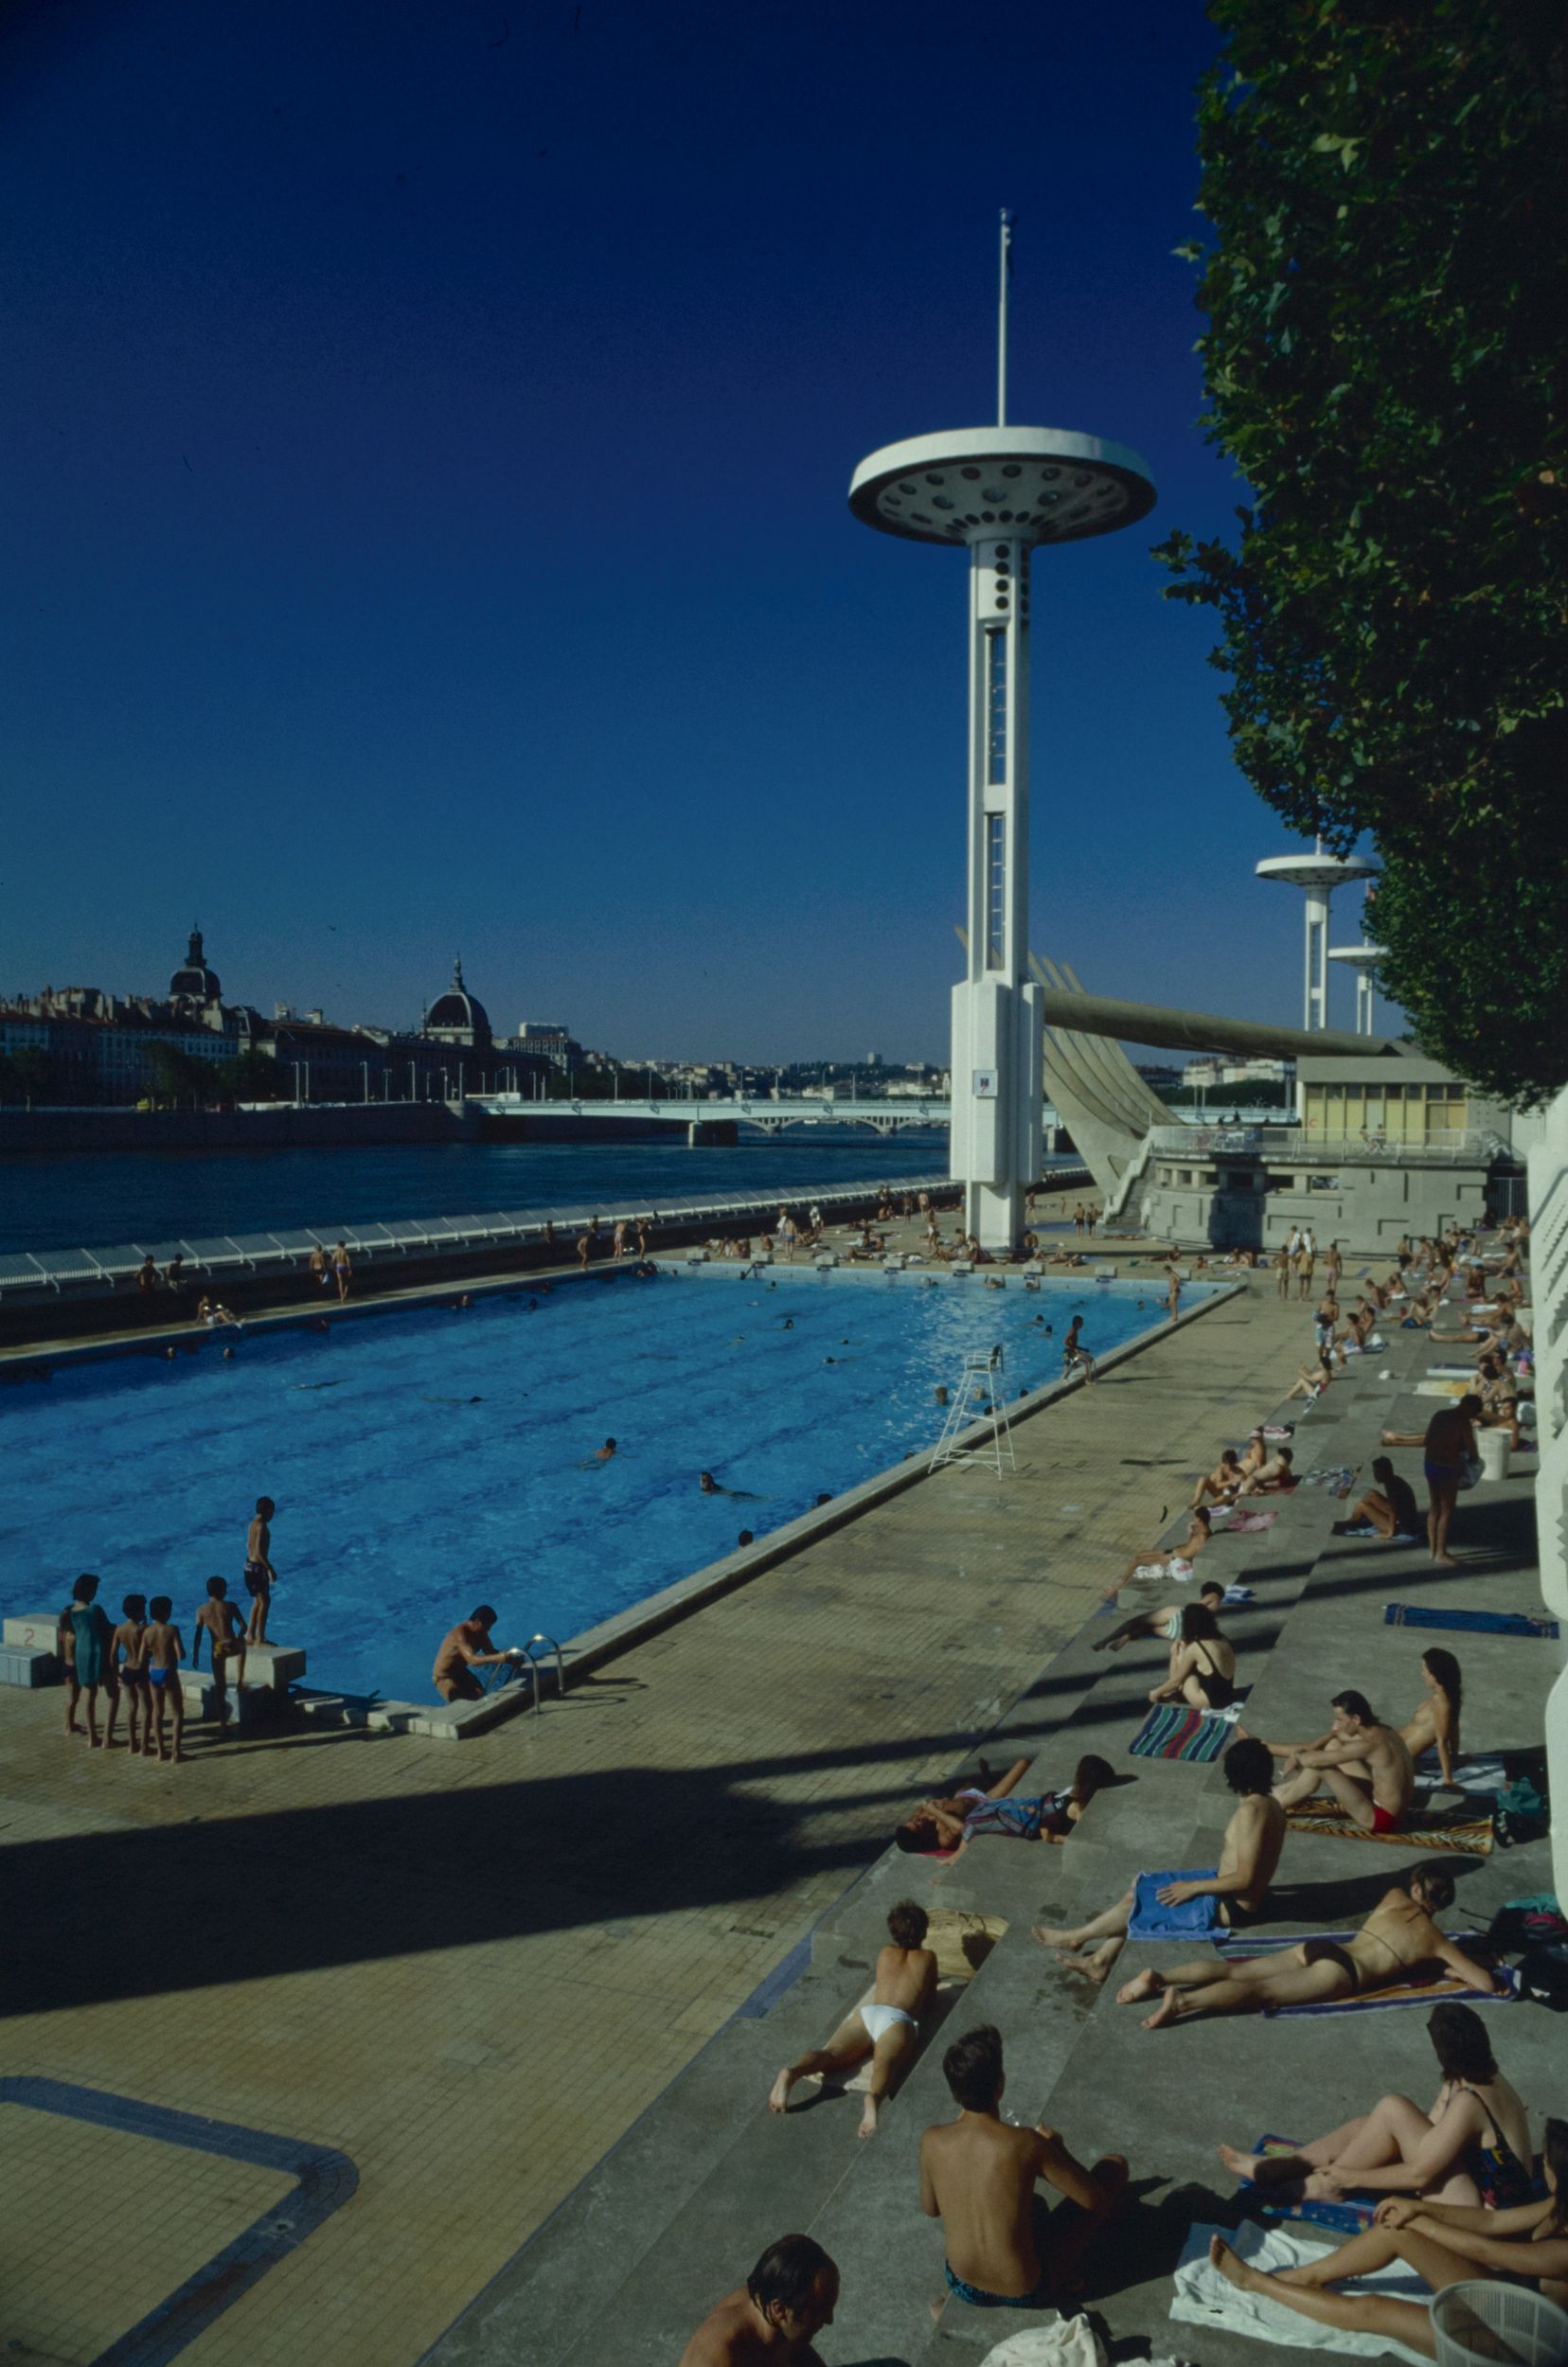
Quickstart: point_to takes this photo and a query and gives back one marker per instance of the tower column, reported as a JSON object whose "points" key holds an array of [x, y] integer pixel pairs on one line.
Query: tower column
{"points": [[995, 1141]]}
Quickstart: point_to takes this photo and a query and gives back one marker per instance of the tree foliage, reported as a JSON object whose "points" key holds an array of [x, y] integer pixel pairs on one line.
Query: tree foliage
{"points": [[1387, 189]]}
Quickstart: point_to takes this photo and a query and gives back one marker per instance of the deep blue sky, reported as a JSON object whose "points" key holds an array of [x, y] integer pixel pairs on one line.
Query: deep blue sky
{"points": [[427, 433]]}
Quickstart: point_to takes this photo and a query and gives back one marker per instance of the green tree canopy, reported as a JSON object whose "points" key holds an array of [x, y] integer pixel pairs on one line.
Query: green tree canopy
{"points": [[177, 1076], [1387, 187]]}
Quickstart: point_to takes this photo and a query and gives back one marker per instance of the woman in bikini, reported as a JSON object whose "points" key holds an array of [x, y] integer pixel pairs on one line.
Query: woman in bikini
{"points": [[1445, 2243], [1472, 2146], [1434, 1721], [1397, 1942], [1203, 1663]]}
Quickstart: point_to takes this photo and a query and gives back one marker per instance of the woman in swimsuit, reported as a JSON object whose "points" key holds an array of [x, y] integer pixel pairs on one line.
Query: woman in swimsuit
{"points": [[1397, 1942], [1445, 2243], [1203, 1663], [1434, 1721], [1472, 2146]]}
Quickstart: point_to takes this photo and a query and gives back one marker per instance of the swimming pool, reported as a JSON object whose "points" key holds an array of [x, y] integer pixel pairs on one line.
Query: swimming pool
{"points": [[425, 1461]]}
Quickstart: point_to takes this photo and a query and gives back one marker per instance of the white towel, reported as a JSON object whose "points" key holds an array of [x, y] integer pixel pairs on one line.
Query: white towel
{"points": [[1204, 2298]]}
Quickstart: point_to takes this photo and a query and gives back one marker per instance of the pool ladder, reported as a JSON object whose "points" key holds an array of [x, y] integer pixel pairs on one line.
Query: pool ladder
{"points": [[532, 1662], [979, 1397]]}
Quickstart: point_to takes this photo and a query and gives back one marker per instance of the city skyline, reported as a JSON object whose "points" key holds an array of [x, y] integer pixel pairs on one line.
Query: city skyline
{"points": [[438, 536]]}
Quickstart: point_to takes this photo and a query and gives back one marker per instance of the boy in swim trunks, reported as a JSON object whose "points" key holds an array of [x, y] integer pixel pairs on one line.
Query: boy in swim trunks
{"points": [[128, 1639], [979, 2175], [260, 1577], [220, 1621], [161, 1652], [1365, 1765], [885, 2028]]}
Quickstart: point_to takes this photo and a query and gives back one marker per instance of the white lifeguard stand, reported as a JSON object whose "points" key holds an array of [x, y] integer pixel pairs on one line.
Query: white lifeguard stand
{"points": [[998, 491], [978, 1397]]}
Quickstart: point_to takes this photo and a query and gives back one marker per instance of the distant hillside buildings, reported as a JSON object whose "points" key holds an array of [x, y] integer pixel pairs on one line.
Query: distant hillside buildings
{"points": [[79, 1045]]}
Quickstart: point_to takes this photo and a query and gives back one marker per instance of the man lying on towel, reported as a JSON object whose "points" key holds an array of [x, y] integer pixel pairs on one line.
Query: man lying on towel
{"points": [[1365, 1765], [1399, 1942], [1235, 1894]]}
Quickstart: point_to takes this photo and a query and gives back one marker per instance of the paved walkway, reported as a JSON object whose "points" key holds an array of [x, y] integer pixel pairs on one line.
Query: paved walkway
{"points": [[468, 1968]]}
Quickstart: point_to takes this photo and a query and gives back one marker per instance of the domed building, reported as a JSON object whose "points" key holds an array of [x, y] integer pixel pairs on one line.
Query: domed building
{"points": [[195, 982], [458, 1017]]}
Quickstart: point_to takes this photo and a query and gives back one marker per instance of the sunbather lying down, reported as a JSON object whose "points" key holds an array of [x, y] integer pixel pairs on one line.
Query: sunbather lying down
{"points": [[951, 1824], [1445, 2243], [1397, 1942]]}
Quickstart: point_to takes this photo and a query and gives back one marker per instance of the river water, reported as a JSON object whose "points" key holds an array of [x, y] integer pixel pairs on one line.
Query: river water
{"points": [[65, 1200]]}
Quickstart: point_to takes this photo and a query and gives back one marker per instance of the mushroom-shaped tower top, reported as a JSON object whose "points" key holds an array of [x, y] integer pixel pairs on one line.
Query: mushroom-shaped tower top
{"points": [[1316, 870], [1036, 484]]}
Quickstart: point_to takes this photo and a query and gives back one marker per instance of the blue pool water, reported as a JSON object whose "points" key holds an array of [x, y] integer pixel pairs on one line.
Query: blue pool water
{"points": [[425, 1461]]}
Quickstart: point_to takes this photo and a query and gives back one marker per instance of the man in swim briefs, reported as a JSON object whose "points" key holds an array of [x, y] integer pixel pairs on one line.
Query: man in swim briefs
{"points": [[885, 2028], [1249, 1857], [260, 1577], [1363, 1763], [1006, 2248], [1388, 1510], [464, 1649], [1399, 1942]]}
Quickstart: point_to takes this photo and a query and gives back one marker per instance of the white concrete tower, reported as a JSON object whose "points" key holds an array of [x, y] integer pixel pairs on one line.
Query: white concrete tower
{"points": [[1000, 490], [1362, 960], [1319, 875]]}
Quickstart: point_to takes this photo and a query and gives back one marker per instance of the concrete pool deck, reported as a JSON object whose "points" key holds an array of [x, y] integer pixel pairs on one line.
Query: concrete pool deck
{"points": [[469, 1972]]}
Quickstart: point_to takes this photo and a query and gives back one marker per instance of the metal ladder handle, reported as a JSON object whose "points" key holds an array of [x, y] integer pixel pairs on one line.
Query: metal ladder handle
{"points": [[551, 1646]]}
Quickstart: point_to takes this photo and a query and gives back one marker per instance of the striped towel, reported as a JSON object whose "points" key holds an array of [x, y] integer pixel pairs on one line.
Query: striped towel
{"points": [[1472, 1835], [1173, 1730], [1243, 1523], [1472, 1622]]}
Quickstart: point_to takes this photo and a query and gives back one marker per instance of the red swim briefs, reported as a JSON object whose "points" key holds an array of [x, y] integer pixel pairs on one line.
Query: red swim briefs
{"points": [[1383, 1819]]}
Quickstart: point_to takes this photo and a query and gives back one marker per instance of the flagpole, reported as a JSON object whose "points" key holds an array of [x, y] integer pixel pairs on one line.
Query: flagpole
{"points": [[1006, 269]]}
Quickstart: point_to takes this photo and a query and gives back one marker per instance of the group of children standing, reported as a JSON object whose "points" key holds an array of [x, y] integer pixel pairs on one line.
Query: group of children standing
{"points": [[138, 1663]]}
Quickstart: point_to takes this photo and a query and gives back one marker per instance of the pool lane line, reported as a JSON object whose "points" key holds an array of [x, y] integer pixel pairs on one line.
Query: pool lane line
{"points": [[324, 2180]]}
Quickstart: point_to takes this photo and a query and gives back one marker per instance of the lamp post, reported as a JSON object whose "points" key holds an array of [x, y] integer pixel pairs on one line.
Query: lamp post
{"points": [[999, 492]]}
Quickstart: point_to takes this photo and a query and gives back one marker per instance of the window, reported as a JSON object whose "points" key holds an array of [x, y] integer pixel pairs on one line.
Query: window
{"points": [[996, 707], [996, 891]]}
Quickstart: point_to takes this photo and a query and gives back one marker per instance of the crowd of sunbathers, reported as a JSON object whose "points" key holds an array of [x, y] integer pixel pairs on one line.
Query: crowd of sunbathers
{"points": [[1453, 2190]]}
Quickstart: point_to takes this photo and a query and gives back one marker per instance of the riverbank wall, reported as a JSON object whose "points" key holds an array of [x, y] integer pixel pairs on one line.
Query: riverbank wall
{"points": [[356, 1126]]}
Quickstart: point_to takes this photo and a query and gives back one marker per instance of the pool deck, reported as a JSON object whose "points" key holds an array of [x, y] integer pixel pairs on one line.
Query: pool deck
{"points": [[429, 1989]]}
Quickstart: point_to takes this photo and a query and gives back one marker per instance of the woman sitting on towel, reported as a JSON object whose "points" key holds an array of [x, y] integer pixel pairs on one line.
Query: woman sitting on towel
{"points": [[1434, 1721], [1445, 2243], [1472, 2146], [1203, 1663], [1172, 1562], [1397, 1942]]}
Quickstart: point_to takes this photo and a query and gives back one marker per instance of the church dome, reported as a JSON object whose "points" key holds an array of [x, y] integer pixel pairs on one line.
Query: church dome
{"points": [[458, 1014], [195, 982]]}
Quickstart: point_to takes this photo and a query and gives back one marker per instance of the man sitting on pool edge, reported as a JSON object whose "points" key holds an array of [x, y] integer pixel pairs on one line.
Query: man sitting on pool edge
{"points": [[463, 1649]]}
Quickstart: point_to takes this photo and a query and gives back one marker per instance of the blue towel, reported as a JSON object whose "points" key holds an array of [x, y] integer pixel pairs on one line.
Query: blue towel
{"points": [[1194, 1919], [1471, 1622]]}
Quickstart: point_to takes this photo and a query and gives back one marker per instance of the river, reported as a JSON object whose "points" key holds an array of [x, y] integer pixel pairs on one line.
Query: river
{"points": [[65, 1200]]}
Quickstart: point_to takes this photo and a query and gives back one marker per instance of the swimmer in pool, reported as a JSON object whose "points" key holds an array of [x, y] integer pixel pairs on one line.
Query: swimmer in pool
{"points": [[601, 1454]]}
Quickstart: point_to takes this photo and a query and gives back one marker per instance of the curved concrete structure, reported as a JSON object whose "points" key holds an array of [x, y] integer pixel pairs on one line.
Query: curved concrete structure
{"points": [[1169, 1030]]}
